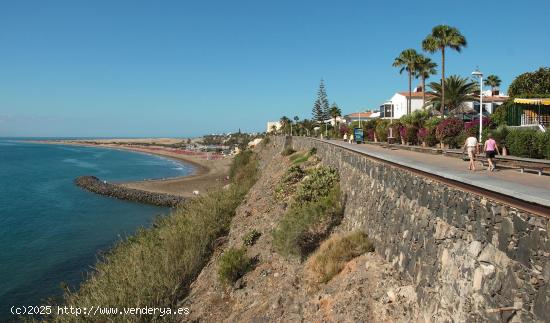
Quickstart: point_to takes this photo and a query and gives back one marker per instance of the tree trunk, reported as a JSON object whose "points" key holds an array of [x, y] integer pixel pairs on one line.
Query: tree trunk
{"points": [[423, 91], [410, 94], [443, 81]]}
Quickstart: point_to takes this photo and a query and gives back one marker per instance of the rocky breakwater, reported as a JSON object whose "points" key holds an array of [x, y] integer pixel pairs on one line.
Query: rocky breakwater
{"points": [[95, 185]]}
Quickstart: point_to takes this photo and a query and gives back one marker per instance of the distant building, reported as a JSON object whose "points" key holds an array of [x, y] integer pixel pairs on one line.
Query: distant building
{"points": [[361, 116], [396, 107], [490, 102], [273, 125]]}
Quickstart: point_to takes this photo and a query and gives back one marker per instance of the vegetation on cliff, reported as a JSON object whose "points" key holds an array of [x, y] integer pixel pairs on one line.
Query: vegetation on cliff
{"points": [[155, 267], [334, 253], [316, 208]]}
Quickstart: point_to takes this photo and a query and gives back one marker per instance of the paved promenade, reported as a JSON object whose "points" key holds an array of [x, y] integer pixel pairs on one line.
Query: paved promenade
{"points": [[528, 187]]}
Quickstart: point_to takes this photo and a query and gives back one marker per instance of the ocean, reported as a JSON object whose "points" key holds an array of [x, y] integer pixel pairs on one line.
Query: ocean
{"points": [[51, 231]]}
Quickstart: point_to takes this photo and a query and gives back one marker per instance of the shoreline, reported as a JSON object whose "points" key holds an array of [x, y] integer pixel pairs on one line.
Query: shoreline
{"points": [[206, 174]]}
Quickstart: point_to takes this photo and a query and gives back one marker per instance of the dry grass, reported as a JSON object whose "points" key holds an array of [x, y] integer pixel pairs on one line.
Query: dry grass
{"points": [[155, 267], [334, 253]]}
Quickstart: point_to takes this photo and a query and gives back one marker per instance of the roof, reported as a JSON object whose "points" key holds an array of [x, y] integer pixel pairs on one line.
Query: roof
{"points": [[533, 101], [493, 98], [414, 94], [360, 115]]}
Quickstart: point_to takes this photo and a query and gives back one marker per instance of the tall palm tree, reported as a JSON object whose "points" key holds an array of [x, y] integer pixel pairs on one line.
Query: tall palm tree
{"points": [[425, 69], [335, 112], [407, 61], [443, 36], [493, 81], [459, 90]]}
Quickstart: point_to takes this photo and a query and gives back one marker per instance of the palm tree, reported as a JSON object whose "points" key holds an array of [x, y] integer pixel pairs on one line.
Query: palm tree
{"points": [[426, 68], [408, 61], [335, 112], [459, 90], [443, 36], [493, 81], [285, 121]]}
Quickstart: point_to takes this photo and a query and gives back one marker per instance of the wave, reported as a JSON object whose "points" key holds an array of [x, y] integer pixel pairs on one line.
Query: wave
{"points": [[80, 163]]}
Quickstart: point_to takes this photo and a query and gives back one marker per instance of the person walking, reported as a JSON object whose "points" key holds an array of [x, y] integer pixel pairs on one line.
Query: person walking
{"points": [[470, 145], [490, 148], [351, 139], [346, 136]]}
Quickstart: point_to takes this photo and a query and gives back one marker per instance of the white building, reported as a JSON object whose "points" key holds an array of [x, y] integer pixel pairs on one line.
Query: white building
{"points": [[273, 125], [396, 107], [361, 116], [490, 102]]}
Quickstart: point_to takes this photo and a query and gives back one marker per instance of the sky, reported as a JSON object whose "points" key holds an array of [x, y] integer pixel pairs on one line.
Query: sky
{"points": [[187, 68]]}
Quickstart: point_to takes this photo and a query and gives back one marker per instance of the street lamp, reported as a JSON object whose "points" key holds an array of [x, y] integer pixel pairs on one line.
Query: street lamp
{"points": [[480, 75]]}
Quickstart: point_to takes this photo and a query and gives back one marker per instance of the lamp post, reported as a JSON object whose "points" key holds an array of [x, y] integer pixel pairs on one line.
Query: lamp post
{"points": [[480, 75]]}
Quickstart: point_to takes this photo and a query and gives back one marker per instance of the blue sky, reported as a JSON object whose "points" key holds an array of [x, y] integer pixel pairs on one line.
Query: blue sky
{"points": [[182, 68]]}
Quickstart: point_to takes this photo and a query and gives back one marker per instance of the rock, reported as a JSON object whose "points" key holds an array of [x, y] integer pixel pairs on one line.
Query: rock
{"points": [[239, 284], [95, 185], [474, 248]]}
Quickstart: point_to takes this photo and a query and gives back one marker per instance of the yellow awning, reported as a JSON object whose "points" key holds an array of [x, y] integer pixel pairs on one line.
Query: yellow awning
{"points": [[533, 101]]}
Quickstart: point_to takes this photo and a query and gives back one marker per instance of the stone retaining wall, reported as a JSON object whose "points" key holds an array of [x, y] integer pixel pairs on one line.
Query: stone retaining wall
{"points": [[94, 184], [469, 258]]}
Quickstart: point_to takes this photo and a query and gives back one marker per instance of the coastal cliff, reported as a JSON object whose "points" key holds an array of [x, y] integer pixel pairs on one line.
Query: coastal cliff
{"points": [[330, 235]]}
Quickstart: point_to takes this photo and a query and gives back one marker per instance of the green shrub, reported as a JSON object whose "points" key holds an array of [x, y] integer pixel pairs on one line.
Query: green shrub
{"points": [[287, 151], [432, 122], [499, 117], [304, 226], [544, 144], [312, 151], [155, 266], [250, 238], [333, 254], [286, 186], [500, 134], [300, 159], [233, 264], [319, 183], [293, 157], [523, 143], [381, 130]]}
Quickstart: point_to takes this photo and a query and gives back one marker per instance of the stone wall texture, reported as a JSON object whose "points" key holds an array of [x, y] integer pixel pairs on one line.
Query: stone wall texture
{"points": [[469, 258]]}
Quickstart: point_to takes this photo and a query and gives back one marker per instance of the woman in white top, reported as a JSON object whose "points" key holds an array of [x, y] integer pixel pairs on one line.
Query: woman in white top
{"points": [[471, 146]]}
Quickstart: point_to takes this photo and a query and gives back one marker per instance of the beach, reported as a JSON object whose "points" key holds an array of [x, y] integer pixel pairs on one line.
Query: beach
{"points": [[207, 174]]}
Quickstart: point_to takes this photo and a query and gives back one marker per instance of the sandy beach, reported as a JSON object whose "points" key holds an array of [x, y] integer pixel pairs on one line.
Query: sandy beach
{"points": [[207, 174]]}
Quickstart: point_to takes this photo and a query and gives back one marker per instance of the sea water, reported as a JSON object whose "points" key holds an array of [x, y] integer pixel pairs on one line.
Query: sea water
{"points": [[51, 231]]}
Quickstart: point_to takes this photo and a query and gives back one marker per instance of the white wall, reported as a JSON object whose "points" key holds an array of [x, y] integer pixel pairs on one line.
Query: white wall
{"points": [[400, 105]]}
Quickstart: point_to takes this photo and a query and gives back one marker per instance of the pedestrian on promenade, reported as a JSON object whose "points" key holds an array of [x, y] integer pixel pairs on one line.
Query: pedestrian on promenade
{"points": [[490, 148], [351, 139], [346, 136], [470, 145]]}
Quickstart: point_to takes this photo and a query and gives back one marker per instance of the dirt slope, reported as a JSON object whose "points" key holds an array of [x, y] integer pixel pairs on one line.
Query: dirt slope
{"points": [[367, 290]]}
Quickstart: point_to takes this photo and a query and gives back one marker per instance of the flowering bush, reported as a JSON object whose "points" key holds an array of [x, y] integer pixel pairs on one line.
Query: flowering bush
{"points": [[403, 132], [408, 133], [343, 129], [448, 129], [370, 134], [422, 134], [470, 124]]}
